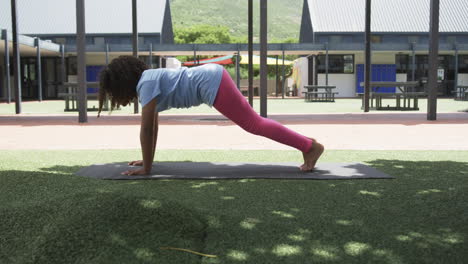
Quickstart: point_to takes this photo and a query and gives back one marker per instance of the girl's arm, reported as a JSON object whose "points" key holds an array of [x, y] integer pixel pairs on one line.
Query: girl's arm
{"points": [[155, 140], [148, 138], [155, 133]]}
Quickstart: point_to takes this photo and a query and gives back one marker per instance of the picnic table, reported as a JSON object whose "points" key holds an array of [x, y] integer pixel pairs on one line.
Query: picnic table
{"points": [[70, 94], [403, 99], [461, 93], [319, 93]]}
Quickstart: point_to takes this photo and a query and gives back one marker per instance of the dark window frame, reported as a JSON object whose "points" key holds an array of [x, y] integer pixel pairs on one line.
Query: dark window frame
{"points": [[462, 63], [403, 63], [376, 39], [338, 59]]}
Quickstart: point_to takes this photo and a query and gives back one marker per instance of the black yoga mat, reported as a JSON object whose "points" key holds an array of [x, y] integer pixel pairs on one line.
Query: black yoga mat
{"points": [[218, 170]]}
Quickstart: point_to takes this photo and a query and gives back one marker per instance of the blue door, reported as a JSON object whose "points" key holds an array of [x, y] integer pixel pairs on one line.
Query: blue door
{"points": [[92, 75], [379, 73]]}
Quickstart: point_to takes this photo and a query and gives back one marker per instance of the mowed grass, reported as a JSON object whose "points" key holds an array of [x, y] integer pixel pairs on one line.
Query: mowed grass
{"points": [[48, 215], [274, 105]]}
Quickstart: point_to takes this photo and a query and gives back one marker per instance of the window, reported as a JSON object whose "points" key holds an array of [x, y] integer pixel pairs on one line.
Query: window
{"points": [[334, 39], [336, 64], [118, 40], [413, 39], [99, 41], [451, 39], [155, 61], [463, 64], [376, 39], [72, 65], [59, 40], [151, 39], [402, 62]]}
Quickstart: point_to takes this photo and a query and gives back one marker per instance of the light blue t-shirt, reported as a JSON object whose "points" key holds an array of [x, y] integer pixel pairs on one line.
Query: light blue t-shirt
{"points": [[180, 88]]}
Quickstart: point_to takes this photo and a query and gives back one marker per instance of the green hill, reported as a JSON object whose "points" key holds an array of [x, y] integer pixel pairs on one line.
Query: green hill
{"points": [[284, 16]]}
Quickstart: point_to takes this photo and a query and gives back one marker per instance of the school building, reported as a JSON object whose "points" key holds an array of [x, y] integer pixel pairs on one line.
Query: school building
{"points": [[47, 31], [400, 42]]}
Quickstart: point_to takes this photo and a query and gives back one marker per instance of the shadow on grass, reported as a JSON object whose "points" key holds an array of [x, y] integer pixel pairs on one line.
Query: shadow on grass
{"points": [[97, 226], [418, 218]]}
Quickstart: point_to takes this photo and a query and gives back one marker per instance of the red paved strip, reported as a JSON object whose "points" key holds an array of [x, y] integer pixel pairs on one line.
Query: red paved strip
{"points": [[388, 131]]}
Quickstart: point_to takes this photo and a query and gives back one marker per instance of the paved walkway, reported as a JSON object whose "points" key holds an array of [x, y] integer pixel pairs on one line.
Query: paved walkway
{"points": [[356, 131]]}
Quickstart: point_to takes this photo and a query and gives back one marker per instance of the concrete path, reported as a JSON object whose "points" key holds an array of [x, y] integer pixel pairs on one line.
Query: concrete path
{"points": [[356, 131]]}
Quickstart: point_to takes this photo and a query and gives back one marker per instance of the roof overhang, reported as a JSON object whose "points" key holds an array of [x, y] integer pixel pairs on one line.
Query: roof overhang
{"points": [[273, 48], [28, 45]]}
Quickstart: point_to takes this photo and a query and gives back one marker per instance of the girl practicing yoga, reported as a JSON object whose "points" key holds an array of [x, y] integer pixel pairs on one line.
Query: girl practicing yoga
{"points": [[127, 78]]}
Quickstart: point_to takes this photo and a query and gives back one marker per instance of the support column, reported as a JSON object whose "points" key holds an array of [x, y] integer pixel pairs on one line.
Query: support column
{"points": [[81, 61], [263, 58], [314, 70], [250, 53], [368, 62], [16, 58], [238, 58], [277, 76], [135, 43], [455, 84], [107, 54], [63, 72], [326, 64], [39, 69], [413, 63], [283, 75], [194, 55], [433, 61], [151, 55], [7, 65], [106, 99]]}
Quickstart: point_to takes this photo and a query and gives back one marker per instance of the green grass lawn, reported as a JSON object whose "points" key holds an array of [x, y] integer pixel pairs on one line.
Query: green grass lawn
{"points": [[275, 106], [48, 215]]}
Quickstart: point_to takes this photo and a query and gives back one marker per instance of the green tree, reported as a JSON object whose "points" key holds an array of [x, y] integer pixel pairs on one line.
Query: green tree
{"points": [[202, 34], [207, 34]]}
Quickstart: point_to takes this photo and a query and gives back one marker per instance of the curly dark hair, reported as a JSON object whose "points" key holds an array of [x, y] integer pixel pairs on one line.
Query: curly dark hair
{"points": [[119, 80]]}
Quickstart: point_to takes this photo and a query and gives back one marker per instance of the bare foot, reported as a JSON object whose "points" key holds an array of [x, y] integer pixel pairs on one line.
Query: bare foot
{"points": [[311, 157]]}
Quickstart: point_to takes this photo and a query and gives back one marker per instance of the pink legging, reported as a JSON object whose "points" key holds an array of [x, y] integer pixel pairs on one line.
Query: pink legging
{"points": [[232, 104]]}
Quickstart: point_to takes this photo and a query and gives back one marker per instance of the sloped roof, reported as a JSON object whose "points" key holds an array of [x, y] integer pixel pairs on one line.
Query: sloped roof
{"points": [[387, 16], [102, 16]]}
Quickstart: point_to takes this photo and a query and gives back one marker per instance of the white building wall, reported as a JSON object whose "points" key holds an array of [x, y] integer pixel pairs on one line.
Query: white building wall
{"points": [[401, 77], [303, 65], [345, 83], [376, 58], [96, 59], [359, 58], [383, 58], [173, 63], [463, 79]]}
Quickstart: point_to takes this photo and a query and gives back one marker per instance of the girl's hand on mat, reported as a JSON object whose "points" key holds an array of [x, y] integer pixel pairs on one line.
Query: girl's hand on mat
{"points": [[136, 172], [136, 163]]}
